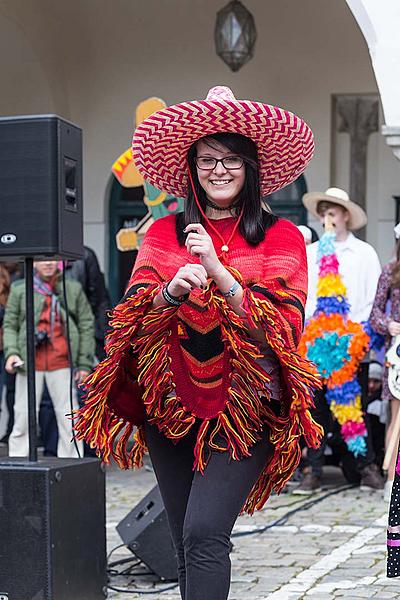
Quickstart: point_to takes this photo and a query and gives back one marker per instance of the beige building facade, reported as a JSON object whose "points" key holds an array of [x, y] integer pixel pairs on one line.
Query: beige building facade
{"points": [[93, 61]]}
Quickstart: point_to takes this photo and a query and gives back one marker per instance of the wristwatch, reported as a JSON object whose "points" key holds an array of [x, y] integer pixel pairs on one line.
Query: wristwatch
{"points": [[232, 290]]}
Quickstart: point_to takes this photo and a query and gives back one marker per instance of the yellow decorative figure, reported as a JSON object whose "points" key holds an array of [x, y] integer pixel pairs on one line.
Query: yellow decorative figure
{"points": [[159, 203], [124, 168]]}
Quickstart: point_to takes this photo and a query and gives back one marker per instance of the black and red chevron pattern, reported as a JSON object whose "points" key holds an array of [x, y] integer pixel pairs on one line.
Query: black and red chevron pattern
{"points": [[275, 270]]}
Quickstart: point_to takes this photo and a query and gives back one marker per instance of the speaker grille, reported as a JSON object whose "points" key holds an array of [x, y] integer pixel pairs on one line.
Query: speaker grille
{"points": [[40, 187], [24, 535], [28, 180]]}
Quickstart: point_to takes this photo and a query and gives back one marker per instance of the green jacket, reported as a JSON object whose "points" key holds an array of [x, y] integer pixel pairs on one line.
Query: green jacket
{"points": [[81, 322]]}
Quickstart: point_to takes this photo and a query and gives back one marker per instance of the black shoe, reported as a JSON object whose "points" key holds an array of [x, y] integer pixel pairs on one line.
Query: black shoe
{"points": [[296, 479], [4, 440], [311, 484], [371, 479]]}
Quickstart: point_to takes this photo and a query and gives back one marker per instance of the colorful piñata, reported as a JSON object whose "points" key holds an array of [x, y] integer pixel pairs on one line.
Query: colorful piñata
{"points": [[337, 345]]}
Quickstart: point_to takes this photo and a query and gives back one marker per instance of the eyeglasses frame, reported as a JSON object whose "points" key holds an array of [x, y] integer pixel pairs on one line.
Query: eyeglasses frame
{"points": [[218, 160]]}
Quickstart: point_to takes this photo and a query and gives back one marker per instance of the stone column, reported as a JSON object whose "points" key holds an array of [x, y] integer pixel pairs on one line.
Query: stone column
{"points": [[359, 118]]}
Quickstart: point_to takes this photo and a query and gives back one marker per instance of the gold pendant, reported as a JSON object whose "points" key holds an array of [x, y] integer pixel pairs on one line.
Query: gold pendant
{"points": [[224, 248]]}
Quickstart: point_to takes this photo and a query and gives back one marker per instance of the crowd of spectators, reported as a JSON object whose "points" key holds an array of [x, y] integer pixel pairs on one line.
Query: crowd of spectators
{"points": [[88, 304]]}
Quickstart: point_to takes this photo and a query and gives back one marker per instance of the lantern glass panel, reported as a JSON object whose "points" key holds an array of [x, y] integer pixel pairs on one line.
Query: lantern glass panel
{"points": [[235, 34]]}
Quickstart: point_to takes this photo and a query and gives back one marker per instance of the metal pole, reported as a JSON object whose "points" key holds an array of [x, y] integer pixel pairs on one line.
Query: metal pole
{"points": [[30, 355]]}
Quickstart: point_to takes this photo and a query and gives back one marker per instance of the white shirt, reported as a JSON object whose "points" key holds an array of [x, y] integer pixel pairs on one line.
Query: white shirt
{"points": [[359, 267]]}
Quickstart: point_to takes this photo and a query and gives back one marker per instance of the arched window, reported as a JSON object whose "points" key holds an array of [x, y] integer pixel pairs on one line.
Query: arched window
{"points": [[287, 202], [126, 209]]}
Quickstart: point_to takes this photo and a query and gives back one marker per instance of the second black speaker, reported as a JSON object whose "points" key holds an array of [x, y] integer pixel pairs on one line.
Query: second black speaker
{"points": [[145, 531]]}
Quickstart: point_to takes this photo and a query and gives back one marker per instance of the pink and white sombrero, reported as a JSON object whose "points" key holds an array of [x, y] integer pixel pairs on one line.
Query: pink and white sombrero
{"points": [[161, 142]]}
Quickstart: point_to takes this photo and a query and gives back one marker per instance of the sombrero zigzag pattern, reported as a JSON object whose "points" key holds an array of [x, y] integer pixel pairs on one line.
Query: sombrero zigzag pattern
{"points": [[161, 142]]}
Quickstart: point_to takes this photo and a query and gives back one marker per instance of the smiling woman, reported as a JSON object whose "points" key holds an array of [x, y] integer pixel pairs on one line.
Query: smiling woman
{"points": [[224, 191], [220, 174], [209, 327]]}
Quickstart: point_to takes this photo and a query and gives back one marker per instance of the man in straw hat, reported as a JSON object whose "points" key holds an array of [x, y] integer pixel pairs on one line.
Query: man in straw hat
{"points": [[359, 268], [359, 263]]}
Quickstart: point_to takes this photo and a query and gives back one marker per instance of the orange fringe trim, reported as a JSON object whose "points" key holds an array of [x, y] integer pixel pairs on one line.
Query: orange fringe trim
{"points": [[301, 378], [241, 422]]}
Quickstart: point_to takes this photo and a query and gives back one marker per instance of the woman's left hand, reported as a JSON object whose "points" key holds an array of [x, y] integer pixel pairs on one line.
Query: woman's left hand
{"points": [[199, 243]]}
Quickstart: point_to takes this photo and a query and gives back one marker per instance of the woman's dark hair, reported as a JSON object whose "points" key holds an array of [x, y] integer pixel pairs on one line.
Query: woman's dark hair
{"points": [[256, 220]]}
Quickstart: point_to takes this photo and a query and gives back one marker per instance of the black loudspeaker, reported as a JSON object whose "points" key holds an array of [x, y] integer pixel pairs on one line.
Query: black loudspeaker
{"points": [[40, 187], [52, 530], [145, 531]]}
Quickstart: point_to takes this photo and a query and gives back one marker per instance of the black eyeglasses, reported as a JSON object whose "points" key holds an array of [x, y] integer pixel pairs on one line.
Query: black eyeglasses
{"points": [[208, 163]]}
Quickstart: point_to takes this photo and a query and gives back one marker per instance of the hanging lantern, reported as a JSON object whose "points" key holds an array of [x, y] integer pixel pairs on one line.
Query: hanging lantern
{"points": [[235, 34]]}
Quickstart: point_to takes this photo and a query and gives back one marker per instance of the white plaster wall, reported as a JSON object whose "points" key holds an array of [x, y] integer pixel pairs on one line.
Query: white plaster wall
{"points": [[96, 60], [24, 85], [383, 181], [380, 23]]}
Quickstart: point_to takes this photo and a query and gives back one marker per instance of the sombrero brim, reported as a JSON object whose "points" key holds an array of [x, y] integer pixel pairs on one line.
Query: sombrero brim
{"points": [[161, 142], [357, 219]]}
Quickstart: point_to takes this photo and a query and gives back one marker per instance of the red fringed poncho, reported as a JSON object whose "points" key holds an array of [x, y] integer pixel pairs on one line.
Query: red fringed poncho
{"points": [[196, 362]]}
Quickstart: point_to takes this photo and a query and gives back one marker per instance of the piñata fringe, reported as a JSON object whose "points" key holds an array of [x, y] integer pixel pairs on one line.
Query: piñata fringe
{"points": [[337, 345]]}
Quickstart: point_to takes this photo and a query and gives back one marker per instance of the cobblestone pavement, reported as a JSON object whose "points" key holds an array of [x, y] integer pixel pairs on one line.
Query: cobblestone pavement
{"points": [[334, 548]]}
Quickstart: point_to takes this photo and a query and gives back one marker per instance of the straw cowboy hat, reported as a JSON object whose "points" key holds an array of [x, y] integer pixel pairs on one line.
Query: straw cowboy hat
{"points": [[161, 142], [358, 217]]}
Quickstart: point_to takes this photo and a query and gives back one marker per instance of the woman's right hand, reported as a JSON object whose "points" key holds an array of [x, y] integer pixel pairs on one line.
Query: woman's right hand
{"points": [[394, 328], [186, 279]]}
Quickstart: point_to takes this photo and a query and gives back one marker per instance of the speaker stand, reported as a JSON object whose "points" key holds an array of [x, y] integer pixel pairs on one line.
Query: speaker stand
{"points": [[30, 356]]}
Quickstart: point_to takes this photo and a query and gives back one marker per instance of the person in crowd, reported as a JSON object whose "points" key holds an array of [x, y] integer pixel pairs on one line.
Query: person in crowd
{"points": [[15, 271], [213, 315], [51, 356], [4, 291], [385, 319], [314, 234], [377, 409], [87, 272], [309, 234], [306, 233], [360, 269]]}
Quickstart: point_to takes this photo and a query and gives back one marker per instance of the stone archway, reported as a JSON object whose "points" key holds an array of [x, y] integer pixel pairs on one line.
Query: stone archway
{"points": [[379, 24]]}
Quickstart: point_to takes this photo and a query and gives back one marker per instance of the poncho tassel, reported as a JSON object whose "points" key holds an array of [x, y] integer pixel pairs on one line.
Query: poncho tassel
{"points": [[96, 422], [301, 380]]}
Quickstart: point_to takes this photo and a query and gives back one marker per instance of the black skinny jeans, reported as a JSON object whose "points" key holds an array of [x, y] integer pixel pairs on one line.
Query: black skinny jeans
{"points": [[202, 509]]}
